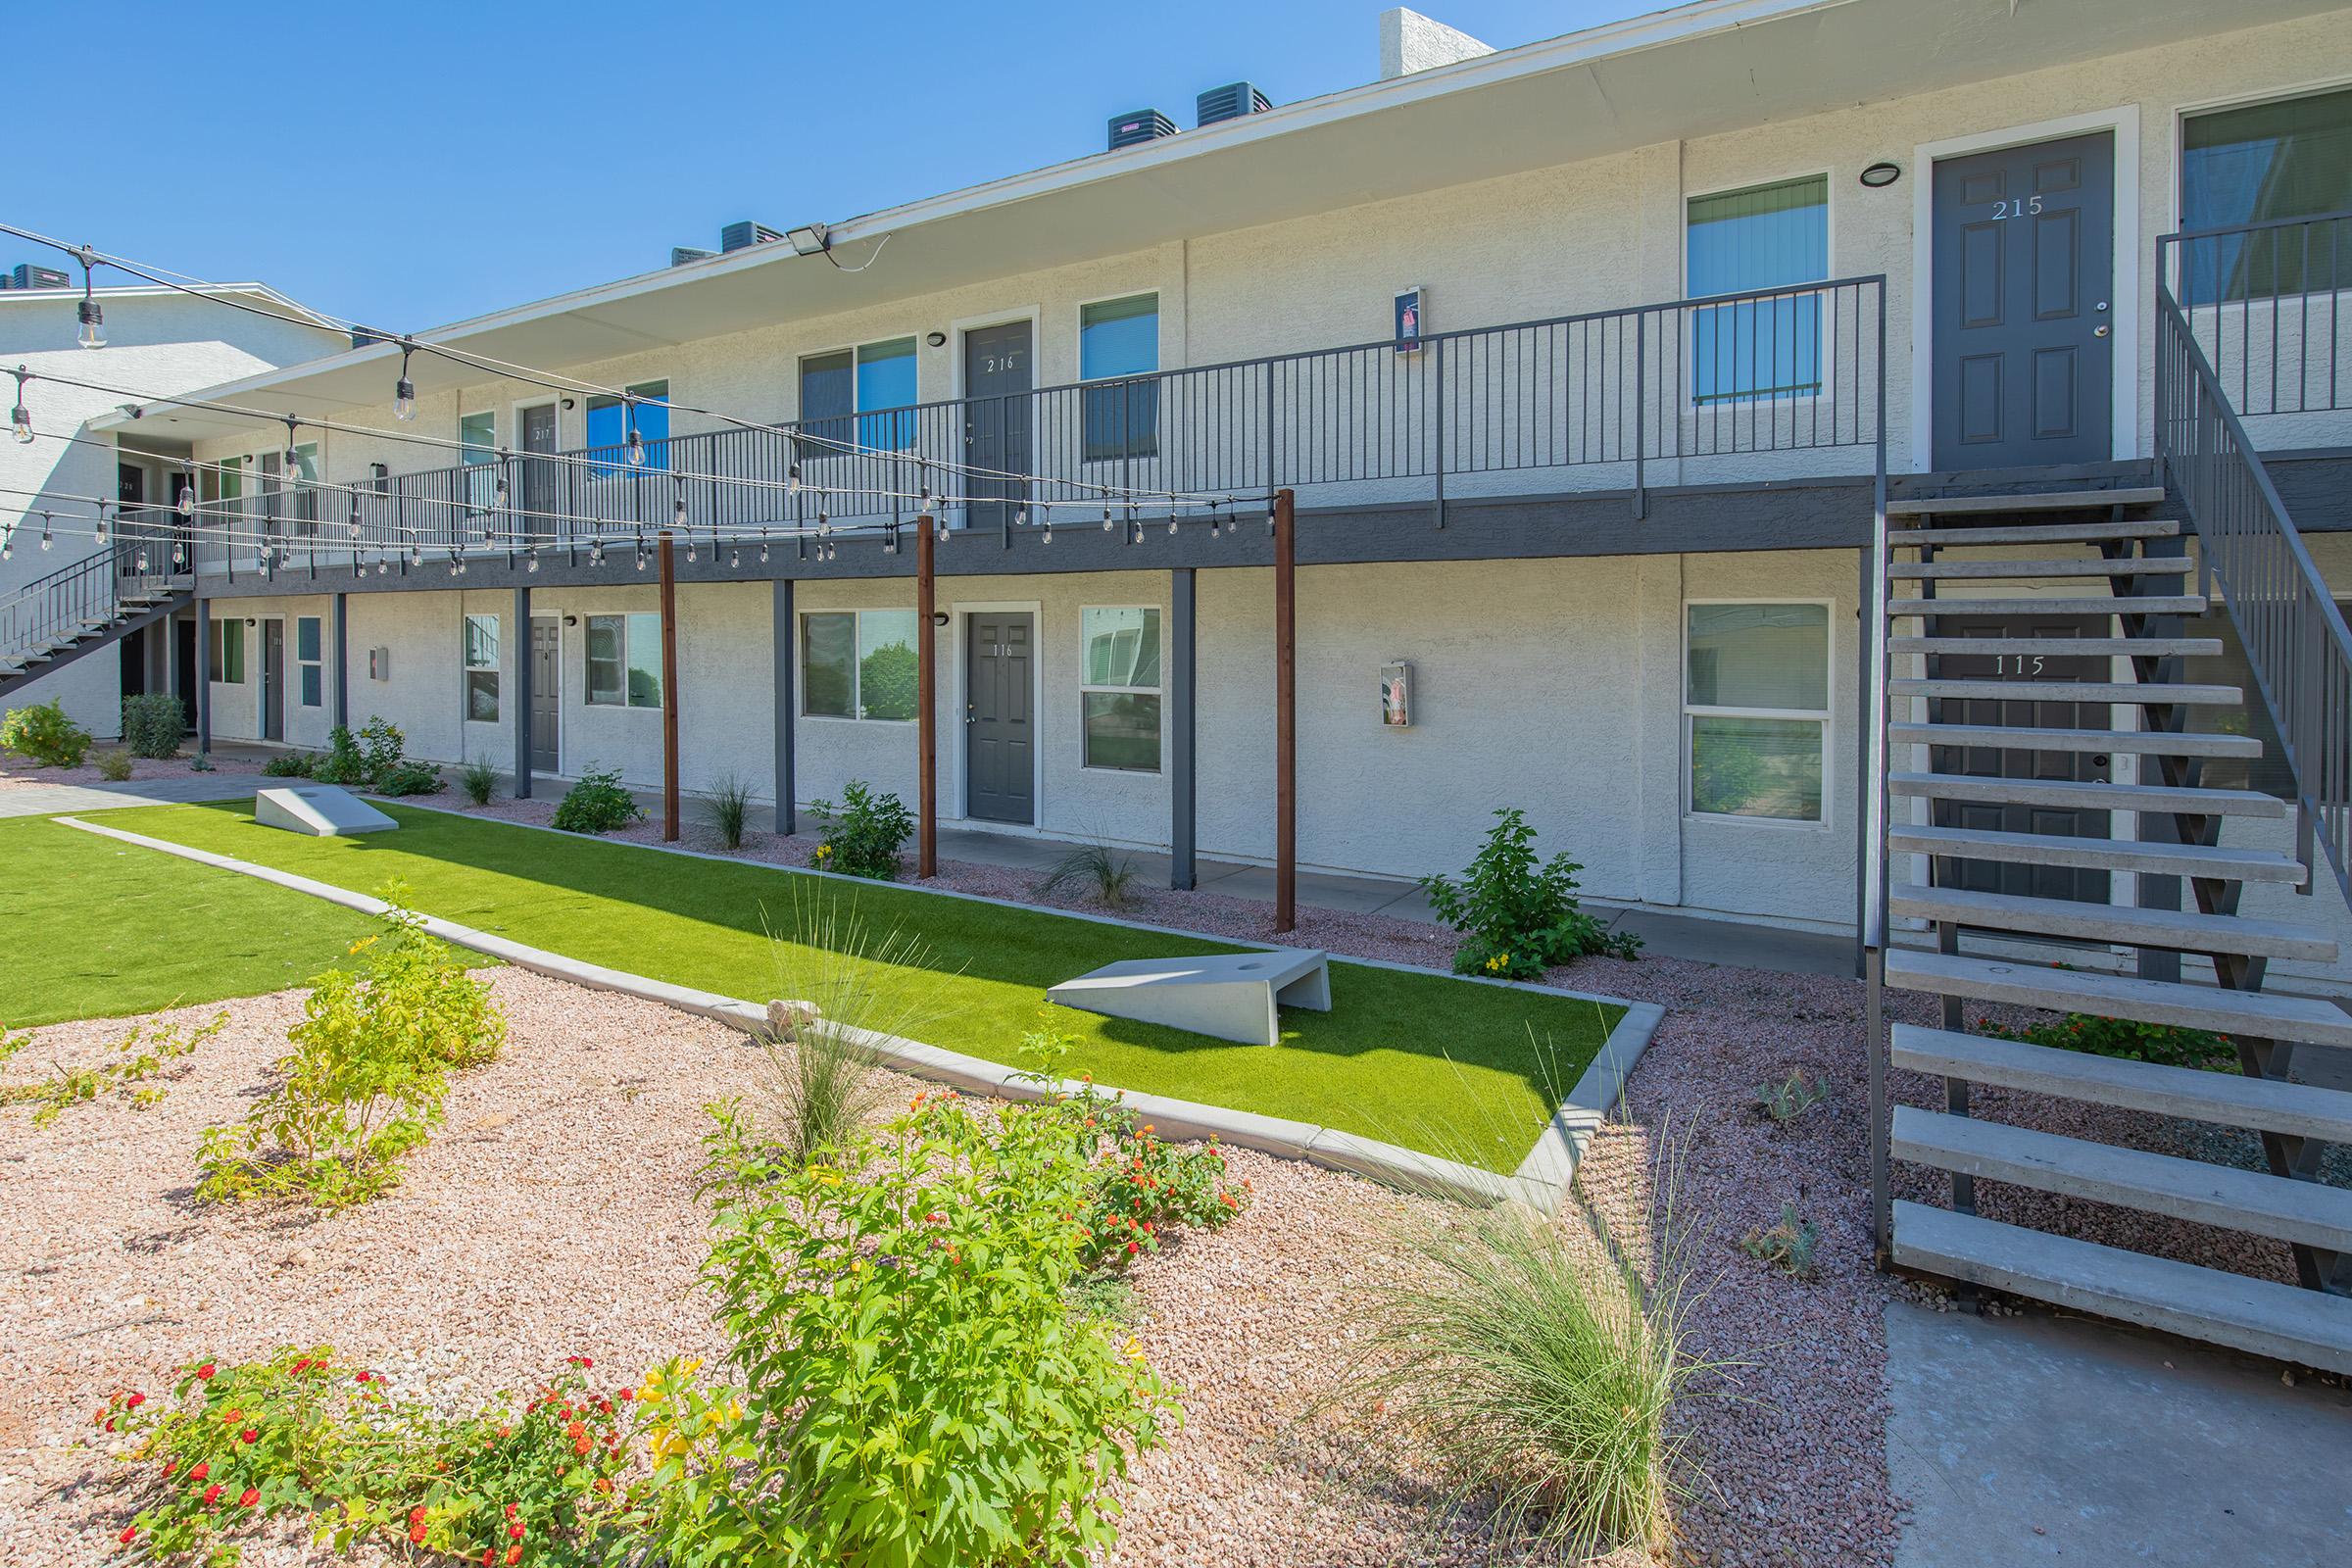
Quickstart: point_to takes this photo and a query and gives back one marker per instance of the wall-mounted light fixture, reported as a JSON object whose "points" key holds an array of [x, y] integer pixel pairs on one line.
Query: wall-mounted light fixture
{"points": [[938, 341], [939, 617], [1882, 175], [571, 621], [810, 239]]}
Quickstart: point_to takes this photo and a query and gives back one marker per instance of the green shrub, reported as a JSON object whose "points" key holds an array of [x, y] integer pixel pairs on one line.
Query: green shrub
{"points": [[1518, 917], [343, 763], [479, 780], [365, 1082], [2168, 1044], [305, 1437], [407, 778], [139, 1056], [153, 724], [1787, 1247], [597, 804], [45, 735], [1541, 1367], [1795, 1096], [290, 764], [373, 760], [114, 766], [730, 808], [1094, 868], [863, 834], [917, 1388]]}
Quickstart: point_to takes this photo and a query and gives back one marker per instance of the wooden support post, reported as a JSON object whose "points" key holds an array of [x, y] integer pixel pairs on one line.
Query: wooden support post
{"points": [[926, 701], [522, 645], [669, 691], [787, 796], [1286, 713], [204, 675]]}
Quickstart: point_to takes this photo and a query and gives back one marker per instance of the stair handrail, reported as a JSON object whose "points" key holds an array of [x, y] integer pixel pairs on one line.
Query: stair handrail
{"points": [[2296, 640], [38, 610]]}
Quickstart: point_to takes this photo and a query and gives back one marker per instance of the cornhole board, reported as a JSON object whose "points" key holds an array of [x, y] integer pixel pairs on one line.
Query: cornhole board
{"points": [[323, 811], [1233, 996]]}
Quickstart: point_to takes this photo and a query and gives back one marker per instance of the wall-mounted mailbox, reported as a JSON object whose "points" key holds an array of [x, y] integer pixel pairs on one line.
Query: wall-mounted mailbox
{"points": [[1397, 695]]}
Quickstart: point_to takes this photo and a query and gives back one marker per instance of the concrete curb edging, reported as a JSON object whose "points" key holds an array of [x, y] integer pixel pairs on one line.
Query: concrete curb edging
{"points": [[1540, 1182]]}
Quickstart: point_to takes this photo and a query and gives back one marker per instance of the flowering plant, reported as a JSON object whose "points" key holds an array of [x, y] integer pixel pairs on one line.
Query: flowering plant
{"points": [[303, 1433], [1518, 916]]}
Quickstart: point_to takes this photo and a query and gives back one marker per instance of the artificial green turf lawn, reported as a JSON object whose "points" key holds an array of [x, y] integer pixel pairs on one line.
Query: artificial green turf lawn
{"points": [[1439, 1065], [96, 929]]}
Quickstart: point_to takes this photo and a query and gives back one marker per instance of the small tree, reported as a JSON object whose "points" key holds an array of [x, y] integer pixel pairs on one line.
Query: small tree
{"points": [[43, 733], [1517, 915]]}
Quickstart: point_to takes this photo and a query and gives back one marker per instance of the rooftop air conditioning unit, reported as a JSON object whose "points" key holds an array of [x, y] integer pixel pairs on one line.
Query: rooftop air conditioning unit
{"points": [[1230, 102], [680, 255], [1143, 125], [28, 276], [740, 236]]}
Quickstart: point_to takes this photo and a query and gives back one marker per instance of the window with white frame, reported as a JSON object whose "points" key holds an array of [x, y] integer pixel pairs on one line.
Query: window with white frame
{"points": [[309, 662], [302, 485], [228, 651], [1765, 238], [1119, 692], [1118, 341], [481, 669], [625, 660], [2288, 159], [862, 396], [477, 453], [1756, 700], [610, 418], [859, 664]]}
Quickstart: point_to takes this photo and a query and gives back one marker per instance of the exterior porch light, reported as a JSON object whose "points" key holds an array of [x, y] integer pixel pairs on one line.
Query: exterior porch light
{"points": [[93, 318], [20, 421], [404, 390]]}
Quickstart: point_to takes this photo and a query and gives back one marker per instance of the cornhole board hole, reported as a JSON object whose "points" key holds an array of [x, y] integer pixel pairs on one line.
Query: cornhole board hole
{"points": [[323, 811], [1231, 996]]}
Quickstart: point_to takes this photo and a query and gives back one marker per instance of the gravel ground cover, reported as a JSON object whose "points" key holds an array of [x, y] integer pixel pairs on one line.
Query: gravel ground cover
{"points": [[16, 774]]}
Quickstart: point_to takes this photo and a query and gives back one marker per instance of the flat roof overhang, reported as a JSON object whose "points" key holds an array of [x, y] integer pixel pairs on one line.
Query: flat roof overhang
{"points": [[1698, 70]]}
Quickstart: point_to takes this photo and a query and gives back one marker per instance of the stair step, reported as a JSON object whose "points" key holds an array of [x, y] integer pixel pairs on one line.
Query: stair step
{"points": [[2137, 741], [2063, 646], [2223, 1099], [2254, 1202], [2039, 533], [2030, 500], [2128, 605], [2263, 1318], [2259, 1013], [2098, 855], [2135, 566], [2185, 930], [2071, 691], [2086, 794]]}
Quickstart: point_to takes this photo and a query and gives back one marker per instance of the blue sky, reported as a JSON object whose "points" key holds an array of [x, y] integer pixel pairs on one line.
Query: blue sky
{"points": [[413, 164]]}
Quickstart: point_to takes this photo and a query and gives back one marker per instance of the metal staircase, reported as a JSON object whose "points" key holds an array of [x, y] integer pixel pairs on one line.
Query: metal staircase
{"points": [[85, 606], [2036, 750]]}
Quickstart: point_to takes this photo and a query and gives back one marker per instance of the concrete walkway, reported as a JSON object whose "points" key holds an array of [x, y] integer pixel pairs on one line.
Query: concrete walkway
{"points": [[50, 800], [2041, 1439]]}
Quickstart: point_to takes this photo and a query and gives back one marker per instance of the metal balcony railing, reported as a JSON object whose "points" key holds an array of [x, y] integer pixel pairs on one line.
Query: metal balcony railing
{"points": [[2267, 306], [86, 594], [1789, 380]]}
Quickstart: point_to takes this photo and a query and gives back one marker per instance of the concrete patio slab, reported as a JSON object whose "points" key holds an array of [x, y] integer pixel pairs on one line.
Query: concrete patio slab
{"points": [[52, 799], [2019, 1441]]}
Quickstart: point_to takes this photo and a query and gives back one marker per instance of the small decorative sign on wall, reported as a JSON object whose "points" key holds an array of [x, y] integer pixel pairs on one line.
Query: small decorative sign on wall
{"points": [[1409, 320], [1397, 695]]}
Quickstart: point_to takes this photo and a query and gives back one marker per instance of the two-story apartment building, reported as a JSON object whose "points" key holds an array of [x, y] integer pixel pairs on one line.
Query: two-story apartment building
{"points": [[1647, 398]]}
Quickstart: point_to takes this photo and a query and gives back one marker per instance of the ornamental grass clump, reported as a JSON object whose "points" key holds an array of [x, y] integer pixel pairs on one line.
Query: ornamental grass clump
{"points": [[364, 1084], [1517, 915], [1539, 1362], [302, 1435], [916, 1387], [1094, 868], [730, 810]]}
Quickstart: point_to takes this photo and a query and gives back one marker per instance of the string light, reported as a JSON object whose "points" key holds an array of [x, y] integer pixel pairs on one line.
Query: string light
{"points": [[632, 446], [404, 390], [188, 494], [1107, 525], [18, 421], [93, 320], [48, 533], [101, 535], [355, 517], [596, 552]]}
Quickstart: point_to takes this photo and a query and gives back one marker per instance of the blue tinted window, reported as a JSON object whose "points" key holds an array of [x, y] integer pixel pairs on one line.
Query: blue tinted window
{"points": [[2285, 159], [1120, 338], [608, 427], [1739, 241], [886, 380]]}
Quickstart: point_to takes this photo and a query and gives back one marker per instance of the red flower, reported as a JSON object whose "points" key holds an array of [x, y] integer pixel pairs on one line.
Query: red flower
{"points": [[134, 1402], [170, 1465], [128, 1535], [1130, 1247], [489, 1556], [417, 1525], [204, 1373], [512, 1510], [248, 1498], [250, 1435], [514, 1531], [514, 1556], [629, 1393], [580, 1446], [204, 1468], [364, 1376], [303, 1365], [211, 1494]]}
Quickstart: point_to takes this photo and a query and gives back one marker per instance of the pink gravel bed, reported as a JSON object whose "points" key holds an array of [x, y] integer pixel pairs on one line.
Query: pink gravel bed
{"points": [[16, 773]]}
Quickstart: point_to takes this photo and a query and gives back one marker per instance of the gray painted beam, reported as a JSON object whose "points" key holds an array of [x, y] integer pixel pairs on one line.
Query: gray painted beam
{"points": [[785, 626], [518, 632], [342, 619], [1183, 597]]}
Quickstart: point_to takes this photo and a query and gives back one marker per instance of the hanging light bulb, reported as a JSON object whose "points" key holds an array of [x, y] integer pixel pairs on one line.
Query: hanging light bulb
{"points": [[1171, 524], [179, 557], [632, 447], [102, 525], [1213, 526], [690, 551], [187, 504], [530, 559], [138, 561], [8, 543], [382, 566], [21, 423], [93, 320], [415, 554], [792, 480], [404, 390], [677, 512], [596, 552], [1107, 523], [498, 496], [641, 558], [823, 527], [355, 517], [764, 550], [48, 534]]}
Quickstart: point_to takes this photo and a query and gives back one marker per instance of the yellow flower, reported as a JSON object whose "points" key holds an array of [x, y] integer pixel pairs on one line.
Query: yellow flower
{"points": [[665, 1442], [690, 1366], [1133, 1350], [362, 945]]}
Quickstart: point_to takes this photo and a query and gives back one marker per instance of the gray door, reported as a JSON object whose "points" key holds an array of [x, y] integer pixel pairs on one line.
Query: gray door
{"points": [[997, 421], [2025, 709], [2024, 366], [273, 680], [547, 692], [997, 745], [539, 478]]}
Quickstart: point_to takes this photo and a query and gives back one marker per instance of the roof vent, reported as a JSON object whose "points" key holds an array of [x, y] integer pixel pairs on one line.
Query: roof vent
{"points": [[28, 276], [680, 255], [743, 235], [1143, 125], [1230, 102]]}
